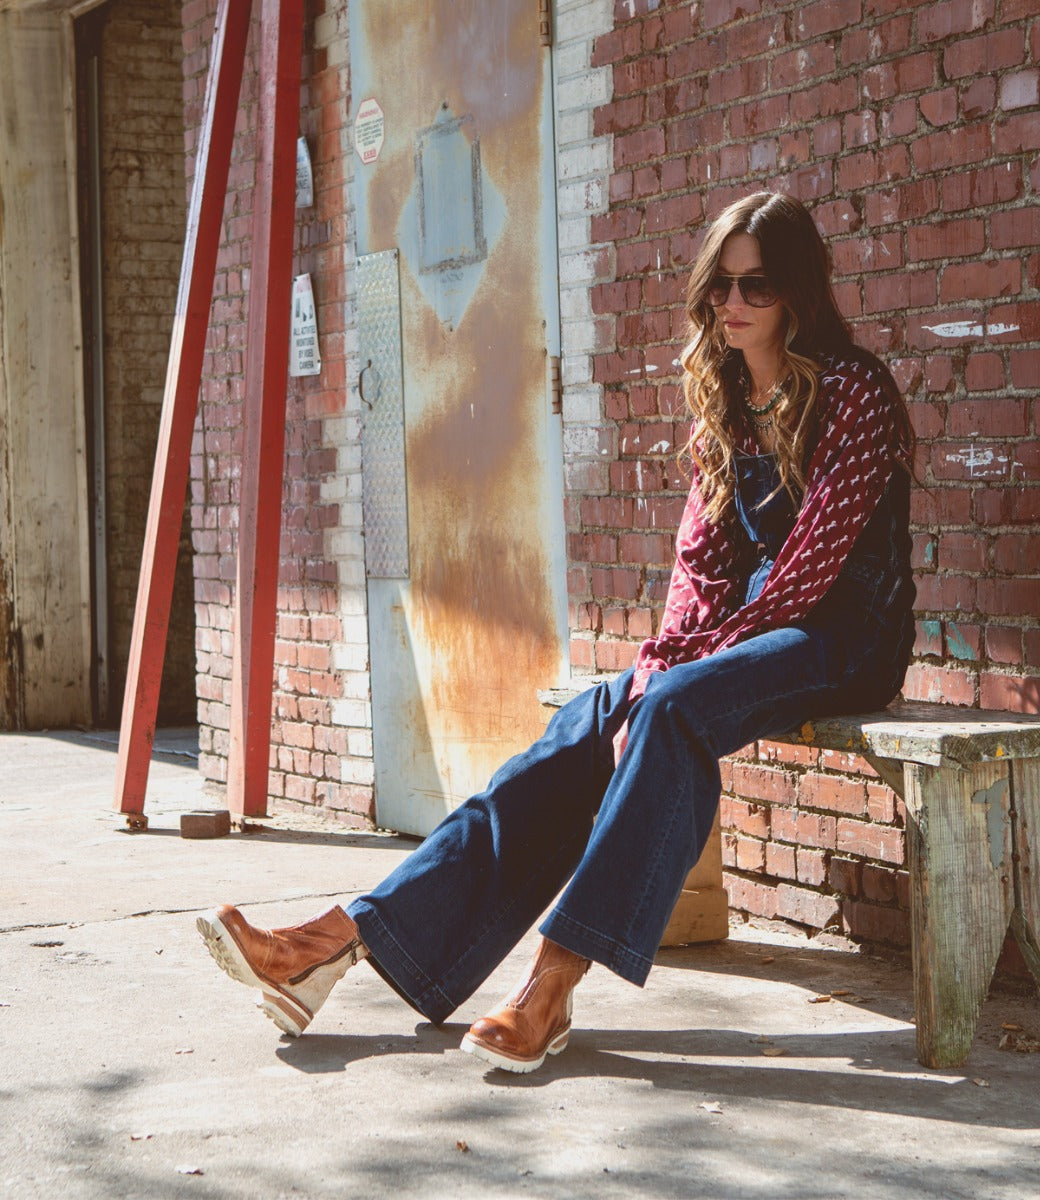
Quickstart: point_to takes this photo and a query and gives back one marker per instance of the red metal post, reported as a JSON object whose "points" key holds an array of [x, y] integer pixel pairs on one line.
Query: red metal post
{"points": [[267, 365], [180, 403]]}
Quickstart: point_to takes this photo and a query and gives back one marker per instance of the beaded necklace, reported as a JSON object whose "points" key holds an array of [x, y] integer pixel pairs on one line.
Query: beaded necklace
{"points": [[760, 414]]}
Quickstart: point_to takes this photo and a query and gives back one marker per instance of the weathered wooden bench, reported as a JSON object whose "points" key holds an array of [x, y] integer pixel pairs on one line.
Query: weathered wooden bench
{"points": [[971, 783]]}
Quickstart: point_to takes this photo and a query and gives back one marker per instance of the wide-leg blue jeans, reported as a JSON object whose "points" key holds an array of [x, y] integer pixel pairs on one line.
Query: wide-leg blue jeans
{"points": [[619, 842]]}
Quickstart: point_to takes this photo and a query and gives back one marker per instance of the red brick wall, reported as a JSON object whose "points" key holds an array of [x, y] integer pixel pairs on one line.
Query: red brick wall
{"points": [[309, 746], [912, 131]]}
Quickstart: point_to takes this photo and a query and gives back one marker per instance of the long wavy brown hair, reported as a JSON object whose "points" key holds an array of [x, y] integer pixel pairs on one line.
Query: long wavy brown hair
{"points": [[797, 265]]}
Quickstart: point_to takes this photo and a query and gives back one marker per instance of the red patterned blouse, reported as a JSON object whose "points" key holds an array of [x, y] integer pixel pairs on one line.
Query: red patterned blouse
{"points": [[848, 470]]}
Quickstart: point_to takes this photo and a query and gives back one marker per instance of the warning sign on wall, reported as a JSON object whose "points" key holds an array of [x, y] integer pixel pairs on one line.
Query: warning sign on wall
{"points": [[304, 357], [368, 130], [304, 175]]}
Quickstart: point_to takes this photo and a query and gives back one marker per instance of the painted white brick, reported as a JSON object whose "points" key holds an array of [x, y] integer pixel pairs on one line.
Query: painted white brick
{"points": [[573, 233], [350, 658], [355, 714], [579, 268], [575, 369], [337, 430], [338, 53], [581, 336], [355, 685], [343, 544], [352, 572], [583, 18], [326, 29], [355, 628], [587, 90], [574, 127], [359, 743], [572, 57], [351, 517], [333, 487], [583, 406], [574, 304], [350, 457], [584, 196], [357, 770], [579, 161], [581, 441]]}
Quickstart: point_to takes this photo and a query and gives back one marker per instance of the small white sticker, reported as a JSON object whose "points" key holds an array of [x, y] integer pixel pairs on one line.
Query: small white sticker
{"points": [[369, 128], [304, 175], [304, 356]]}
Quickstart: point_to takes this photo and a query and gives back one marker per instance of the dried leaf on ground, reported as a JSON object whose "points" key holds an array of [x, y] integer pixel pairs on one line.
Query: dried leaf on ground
{"points": [[1021, 1042], [773, 1051], [462, 1146]]}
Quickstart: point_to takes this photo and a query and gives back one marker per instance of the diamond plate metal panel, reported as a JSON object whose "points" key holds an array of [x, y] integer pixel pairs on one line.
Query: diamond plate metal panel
{"points": [[384, 495]]}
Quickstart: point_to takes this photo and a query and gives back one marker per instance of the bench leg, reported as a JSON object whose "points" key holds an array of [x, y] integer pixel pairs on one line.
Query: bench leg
{"points": [[701, 913], [1025, 776], [961, 898]]}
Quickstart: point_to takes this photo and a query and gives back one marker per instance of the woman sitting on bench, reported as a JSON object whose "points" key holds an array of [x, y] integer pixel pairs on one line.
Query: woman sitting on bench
{"points": [[790, 599]]}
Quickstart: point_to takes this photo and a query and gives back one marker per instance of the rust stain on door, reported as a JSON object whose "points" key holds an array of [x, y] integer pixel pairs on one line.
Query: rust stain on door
{"points": [[484, 597]]}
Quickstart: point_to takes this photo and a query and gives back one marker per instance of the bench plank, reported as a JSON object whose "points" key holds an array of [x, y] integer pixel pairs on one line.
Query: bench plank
{"points": [[908, 731], [932, 734]]}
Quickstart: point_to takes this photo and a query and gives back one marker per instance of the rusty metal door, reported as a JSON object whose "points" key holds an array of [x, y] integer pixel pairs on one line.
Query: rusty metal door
{"points": [[459, 336]]}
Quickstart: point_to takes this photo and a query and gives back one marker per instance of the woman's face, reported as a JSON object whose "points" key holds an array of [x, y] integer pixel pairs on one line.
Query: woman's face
{"points": [[750, 329]]}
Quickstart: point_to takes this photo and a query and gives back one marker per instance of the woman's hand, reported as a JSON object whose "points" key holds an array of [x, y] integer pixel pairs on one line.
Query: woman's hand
{"points": [[620, 742]]}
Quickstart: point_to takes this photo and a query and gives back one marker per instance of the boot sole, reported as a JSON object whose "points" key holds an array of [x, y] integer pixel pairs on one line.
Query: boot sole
{"points": [[519, 1066], [287, 1013]]}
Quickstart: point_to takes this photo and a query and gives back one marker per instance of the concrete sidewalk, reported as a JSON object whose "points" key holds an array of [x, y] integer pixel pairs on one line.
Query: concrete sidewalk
{"points": [[127, 1059]]}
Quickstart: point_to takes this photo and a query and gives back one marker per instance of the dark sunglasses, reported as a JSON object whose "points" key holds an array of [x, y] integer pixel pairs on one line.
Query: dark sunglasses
{"points": [[755, 289]]}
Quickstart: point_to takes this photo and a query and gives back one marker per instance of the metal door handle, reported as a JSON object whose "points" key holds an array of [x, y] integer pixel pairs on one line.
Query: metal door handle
{"points": [[376, 383]]}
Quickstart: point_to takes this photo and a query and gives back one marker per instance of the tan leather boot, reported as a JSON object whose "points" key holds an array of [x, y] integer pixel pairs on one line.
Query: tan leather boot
{"points": [[295, 968], [535, 1019]]}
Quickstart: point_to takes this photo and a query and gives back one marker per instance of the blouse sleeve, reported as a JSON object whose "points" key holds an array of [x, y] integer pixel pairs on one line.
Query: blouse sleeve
{"points": [[702, 591], [847, 475]]}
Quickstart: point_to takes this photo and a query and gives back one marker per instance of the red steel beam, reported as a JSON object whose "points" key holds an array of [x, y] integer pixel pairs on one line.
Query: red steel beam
{"points": [[266, 367], [180, 404]]}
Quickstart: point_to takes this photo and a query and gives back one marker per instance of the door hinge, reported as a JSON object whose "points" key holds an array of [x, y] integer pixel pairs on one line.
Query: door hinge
{"points": [[555, 384], [545, 31]]}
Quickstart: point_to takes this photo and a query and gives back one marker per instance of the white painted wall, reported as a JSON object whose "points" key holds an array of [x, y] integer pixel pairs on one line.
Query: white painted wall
{"points": [[583, 165], [44, 551]]}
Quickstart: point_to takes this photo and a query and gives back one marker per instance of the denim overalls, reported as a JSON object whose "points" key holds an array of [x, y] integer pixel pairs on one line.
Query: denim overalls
{"points": [[625, 839], [875, 586]]}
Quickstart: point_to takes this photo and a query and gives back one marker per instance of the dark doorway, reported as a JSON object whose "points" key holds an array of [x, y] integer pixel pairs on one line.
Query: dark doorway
{"points": [[132, 206]]}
